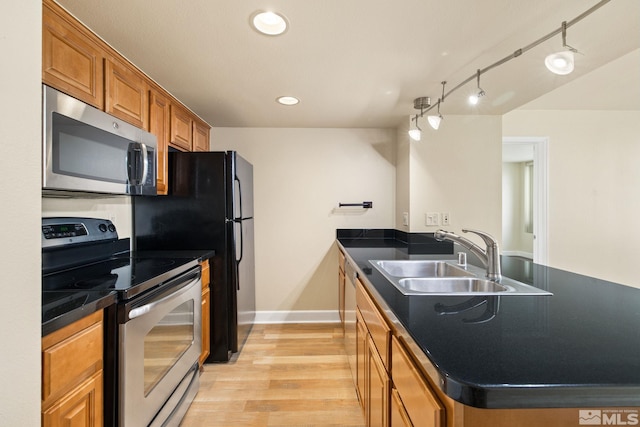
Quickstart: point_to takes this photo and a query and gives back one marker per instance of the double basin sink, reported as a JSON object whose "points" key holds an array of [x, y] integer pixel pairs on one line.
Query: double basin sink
{"points": [[445, 277]]}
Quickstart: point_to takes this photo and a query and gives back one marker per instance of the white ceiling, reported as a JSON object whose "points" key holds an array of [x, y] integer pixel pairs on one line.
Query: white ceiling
{"points": [[354, 63]]}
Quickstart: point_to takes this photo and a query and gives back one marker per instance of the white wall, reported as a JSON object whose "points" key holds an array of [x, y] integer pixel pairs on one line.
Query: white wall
{"points": [[20, 306], [594, 177], [300, 176], [403, 185], [457, 169]]}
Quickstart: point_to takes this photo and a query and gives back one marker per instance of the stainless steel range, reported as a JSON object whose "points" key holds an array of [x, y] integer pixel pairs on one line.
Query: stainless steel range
{"points": [[153, 332]]}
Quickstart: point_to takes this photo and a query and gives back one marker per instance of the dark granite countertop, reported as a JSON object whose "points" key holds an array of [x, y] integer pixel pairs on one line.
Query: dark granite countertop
{"points": [[63, 307], [579, 347]]}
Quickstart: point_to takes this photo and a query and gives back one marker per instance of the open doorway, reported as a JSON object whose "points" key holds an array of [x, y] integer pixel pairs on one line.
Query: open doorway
{"points": [[524, 198]]}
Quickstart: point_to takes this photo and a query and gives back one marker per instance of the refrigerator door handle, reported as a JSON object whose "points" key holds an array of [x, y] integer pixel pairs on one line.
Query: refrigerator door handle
{"points": [[236, 179]]}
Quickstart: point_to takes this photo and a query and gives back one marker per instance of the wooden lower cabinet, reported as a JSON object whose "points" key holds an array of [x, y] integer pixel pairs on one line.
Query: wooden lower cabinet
{"points": [[206, 314], [399, 416], [378, 412], [372, 378], [72, 376], [80, 407], [362, 353], [415, 396]]}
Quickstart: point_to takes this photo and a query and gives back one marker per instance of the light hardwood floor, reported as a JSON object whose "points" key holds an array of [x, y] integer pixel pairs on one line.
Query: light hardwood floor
{"points": [[285, 375]]}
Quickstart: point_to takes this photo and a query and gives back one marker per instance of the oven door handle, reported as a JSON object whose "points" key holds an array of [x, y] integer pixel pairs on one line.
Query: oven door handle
{"points": [[141, 311]]}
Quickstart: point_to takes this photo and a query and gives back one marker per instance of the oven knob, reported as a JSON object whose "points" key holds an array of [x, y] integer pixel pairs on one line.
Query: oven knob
{"points": [[112, 228], [102, 227]]}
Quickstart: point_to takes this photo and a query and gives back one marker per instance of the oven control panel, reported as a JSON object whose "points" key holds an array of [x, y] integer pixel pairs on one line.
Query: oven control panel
{"points": [[64, 231]]}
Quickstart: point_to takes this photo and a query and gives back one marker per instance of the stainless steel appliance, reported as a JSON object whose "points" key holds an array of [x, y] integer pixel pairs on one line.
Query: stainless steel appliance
{"points": [[88, 150], [153, 332], [209, 206]]}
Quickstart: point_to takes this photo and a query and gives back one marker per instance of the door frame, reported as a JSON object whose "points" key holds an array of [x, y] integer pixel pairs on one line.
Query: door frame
{"points": [[540, 193]]}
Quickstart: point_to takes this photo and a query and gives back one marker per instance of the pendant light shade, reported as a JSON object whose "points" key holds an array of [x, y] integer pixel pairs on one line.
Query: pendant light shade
{"points": [[434, 121], [560, 62], [415, 134]]}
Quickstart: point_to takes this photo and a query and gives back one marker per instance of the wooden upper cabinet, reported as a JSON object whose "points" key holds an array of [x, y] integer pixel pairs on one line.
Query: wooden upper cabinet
{"points": [[181, 128], [200, 136], [126, 93], [159, 124], [71, 61]]}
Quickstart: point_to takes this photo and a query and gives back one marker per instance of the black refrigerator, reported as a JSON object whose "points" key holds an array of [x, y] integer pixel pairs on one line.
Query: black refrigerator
{"points": [[209, 207]]}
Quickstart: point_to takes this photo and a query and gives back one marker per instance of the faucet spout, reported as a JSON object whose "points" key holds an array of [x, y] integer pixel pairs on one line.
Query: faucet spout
{"points": [[490, 256]]}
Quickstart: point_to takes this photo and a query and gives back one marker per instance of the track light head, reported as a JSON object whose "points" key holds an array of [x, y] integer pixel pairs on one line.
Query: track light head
{"points": [[562, 62]]}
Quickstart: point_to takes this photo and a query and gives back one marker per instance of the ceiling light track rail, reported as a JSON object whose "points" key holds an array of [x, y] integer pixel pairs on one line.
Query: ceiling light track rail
{"points": [[519, 52]]}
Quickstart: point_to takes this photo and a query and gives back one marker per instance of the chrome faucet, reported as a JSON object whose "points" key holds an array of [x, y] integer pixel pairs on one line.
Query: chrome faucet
{"points": [[490, 256]]}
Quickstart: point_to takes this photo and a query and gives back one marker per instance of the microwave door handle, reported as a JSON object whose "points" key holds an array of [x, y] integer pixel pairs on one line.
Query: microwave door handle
{"points": [[145, 167], [132, 162]]}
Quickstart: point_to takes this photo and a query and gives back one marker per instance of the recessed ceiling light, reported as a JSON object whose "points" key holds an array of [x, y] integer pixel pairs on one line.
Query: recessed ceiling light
{"points": [[269, 23], [288, 100]]}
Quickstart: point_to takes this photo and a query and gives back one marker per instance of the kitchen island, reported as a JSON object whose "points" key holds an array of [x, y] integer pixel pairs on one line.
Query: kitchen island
{"points": [[578, 348]]}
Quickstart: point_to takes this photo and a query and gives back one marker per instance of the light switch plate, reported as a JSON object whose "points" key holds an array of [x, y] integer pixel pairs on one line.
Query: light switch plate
{"points": [[446, 219], [405, 218], [431, 218]]}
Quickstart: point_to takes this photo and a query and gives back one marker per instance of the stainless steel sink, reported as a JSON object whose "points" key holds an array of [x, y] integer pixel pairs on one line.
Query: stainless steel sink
{"points": [[445, 277], [421, 269], [466, 285]]}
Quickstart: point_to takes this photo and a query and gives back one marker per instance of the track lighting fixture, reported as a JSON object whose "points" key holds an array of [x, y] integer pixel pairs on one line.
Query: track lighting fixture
{"points": [[419, 104], [475, 98], [434, 121], [561, 62]]}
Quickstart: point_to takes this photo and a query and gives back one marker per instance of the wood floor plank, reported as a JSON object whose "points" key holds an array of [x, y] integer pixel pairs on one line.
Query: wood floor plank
{"points": [[285, 375]]}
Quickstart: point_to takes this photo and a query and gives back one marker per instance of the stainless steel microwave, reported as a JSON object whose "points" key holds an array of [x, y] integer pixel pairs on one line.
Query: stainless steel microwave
{"points": [[88, 150]]}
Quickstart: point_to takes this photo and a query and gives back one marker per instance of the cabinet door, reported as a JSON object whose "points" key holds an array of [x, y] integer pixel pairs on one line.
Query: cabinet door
{"points": [[399, 416], [378, 411], [421, 404], [71, 61], [81, 407], [159, 122], [206, 314], [341, 290], [206, 319], [361, 361], [200, 136], [126, 94], [181, 128]]}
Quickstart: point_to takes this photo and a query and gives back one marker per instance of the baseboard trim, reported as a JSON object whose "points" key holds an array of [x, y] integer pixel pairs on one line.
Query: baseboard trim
{"points": [[297, 316]]}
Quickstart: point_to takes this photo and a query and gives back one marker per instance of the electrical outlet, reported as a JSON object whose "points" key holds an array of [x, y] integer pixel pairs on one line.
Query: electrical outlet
{"points": [[405, 218], [431, 218], [446, 219]]}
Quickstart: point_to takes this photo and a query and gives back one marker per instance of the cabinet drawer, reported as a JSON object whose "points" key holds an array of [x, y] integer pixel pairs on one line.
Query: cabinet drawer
{"points": [[377, 325], [76, 356], [341, 260], [420, 403]]}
